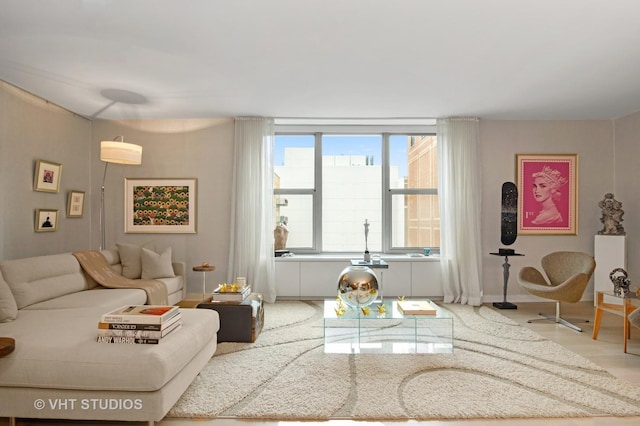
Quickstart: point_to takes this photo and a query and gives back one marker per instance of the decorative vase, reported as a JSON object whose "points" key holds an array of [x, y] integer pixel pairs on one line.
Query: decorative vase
{"points": [[357, 286]]}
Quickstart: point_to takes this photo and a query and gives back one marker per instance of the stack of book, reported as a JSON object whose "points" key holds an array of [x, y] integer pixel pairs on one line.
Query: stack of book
{"points": [[147, 324], [230, 293]]}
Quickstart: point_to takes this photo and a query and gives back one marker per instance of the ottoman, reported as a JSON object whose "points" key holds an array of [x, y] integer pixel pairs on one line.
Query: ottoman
{"points": [[239, 321]]}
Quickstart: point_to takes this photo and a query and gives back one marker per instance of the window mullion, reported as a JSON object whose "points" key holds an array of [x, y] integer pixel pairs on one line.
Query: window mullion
{"points": [[317, 196], [413, 191], [386, 195]]}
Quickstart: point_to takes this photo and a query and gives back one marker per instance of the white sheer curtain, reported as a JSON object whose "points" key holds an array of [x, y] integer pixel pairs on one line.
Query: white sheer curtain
{"points": [[460, 197], [251, 238]]}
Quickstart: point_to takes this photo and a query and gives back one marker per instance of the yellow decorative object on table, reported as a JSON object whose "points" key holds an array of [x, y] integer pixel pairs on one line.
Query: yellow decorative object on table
{"points": [[341, 308]]}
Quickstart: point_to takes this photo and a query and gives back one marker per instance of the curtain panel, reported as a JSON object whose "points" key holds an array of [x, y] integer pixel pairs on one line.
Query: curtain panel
{"points": [[251, 252], [460, 194]]}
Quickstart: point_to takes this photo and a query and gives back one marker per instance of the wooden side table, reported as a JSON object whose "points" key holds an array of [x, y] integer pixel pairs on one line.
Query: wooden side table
{"points": [[204, 270], [7, 345], [624, 308]]}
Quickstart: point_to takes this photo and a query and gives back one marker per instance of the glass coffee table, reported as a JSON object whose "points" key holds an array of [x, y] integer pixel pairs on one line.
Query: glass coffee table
{"points": [[388, 332]]}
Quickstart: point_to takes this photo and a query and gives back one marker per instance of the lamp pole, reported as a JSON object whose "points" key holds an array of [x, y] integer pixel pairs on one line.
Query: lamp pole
{"points": [[102, 218], [121, 153]]}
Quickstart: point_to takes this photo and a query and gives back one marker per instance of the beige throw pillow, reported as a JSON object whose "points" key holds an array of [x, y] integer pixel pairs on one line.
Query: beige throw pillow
{"points": [[8, 307], [156, 265], [130, 260]]}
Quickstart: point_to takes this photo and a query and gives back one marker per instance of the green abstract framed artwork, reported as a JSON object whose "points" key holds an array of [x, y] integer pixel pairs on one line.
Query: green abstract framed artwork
{"points": [[160, 206]]}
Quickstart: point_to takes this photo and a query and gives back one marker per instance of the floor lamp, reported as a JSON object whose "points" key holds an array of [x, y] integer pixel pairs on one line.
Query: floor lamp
{"points": [[120, 152]]}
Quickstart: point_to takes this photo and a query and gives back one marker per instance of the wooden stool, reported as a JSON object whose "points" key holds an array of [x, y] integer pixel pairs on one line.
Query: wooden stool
{"points": [[204, 269]]}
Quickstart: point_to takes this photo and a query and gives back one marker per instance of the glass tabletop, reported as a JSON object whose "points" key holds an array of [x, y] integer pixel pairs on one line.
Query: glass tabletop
{"points": [[382, 328], [375, 311], [632, 295]]}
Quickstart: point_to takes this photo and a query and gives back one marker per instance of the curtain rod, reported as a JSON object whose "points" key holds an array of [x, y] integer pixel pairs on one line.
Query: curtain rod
{"points": [[354, 121]]}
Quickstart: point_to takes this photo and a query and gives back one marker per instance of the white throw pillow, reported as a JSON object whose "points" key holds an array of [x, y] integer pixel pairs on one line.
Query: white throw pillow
{"points": [[8, 307], [156, 265], [130, 255]]}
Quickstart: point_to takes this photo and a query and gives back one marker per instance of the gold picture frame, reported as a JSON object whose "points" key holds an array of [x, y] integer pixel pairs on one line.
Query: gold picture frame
{"points": [[548, 194], [47, 176], [75, 204], [46, 220], [160, 206]]}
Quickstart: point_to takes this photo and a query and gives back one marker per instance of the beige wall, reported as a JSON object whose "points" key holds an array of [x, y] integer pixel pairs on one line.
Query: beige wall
{"points": [[201, 149], [500, 142], [627, 187], [31, 129]]}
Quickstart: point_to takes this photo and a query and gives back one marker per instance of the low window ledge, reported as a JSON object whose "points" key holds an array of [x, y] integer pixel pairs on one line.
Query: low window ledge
{"points": [[331, 257]]}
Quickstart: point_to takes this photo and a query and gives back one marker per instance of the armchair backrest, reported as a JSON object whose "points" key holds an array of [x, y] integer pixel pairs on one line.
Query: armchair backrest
{"points": [[561, 265]]}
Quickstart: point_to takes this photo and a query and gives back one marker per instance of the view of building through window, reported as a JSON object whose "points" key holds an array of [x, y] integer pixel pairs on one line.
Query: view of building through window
{"points": [[354, 185]]}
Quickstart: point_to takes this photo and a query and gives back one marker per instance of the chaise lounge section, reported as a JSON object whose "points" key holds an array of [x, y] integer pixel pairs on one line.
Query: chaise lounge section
{"points": [[58, 370]]}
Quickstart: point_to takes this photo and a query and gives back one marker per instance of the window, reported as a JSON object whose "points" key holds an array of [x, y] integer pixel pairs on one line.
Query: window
{"points": [[328, 184], [294, 183]]}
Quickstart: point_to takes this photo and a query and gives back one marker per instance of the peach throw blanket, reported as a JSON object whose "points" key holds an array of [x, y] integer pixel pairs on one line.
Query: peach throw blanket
{"points": [[96, 266]]}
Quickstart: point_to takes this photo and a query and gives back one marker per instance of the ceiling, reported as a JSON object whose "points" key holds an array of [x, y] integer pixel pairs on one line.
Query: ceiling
{"points": [[493, 59]]}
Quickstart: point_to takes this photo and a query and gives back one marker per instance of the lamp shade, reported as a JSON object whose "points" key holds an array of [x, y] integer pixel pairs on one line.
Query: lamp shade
{"points": [[120, 152]]}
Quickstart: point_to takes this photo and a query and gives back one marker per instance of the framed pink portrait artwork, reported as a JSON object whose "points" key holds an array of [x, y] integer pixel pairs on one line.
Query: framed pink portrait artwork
{"points": [[547, 184]]}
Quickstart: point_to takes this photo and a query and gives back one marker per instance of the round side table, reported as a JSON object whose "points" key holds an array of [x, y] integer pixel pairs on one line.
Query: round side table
{"points": [[204, 270], [7, 345]]}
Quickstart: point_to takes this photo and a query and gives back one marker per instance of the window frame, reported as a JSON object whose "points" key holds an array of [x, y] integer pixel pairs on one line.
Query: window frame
{"points": [[387, 192]]}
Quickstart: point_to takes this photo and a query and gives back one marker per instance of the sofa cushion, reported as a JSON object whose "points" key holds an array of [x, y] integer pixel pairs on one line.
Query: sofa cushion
{"points": [[173, 284], [8, 307], [59, 349], [156, 265], [100, 297], [130, 260], [111, 255], [40, 278]]}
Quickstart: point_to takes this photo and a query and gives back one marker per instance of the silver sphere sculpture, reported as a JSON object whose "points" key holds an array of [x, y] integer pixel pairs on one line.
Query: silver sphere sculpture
{"points": [[357, 286]]}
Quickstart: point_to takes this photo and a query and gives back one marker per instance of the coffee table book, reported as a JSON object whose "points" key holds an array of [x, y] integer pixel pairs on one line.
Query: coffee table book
{"points": [[230, 296], [141, 314], [120, 326], [140, 334], [417, 307], [136, 340]]}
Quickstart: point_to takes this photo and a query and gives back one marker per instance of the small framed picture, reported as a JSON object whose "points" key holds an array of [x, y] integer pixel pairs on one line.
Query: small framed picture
{"points": [[46, 220], [75, 204], [47, 176]]}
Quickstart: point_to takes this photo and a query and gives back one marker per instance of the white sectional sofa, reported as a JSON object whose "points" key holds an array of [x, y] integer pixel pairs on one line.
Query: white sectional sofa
{"points": [[58, 369]]}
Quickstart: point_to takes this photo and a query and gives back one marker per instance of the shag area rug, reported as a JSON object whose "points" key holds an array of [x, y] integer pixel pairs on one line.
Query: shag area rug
{"points": [[498, 369]]}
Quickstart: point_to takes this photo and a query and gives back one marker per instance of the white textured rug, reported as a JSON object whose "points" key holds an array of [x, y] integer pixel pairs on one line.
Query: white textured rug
{"points": [[498, 370]]}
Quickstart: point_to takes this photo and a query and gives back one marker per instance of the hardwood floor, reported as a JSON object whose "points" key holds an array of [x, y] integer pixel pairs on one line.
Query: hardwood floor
{"points": [[606, 352]]}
